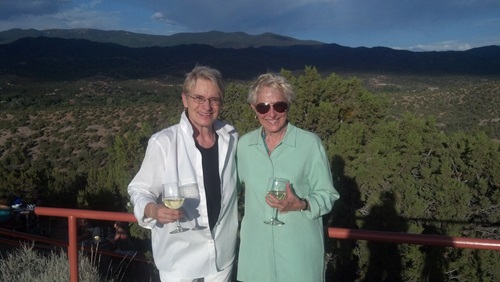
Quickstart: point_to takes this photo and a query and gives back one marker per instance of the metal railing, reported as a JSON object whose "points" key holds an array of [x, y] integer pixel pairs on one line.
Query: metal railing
{"points": [[339, 233], [73, 215], [418, 239]]}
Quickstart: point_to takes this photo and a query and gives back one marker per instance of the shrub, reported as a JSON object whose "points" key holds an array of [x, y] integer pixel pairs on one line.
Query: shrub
{"points": [[27, 264]]}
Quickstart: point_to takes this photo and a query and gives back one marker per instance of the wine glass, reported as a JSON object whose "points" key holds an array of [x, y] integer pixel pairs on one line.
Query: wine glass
{"points": [[191, 203], [173, 199], [276, 187]]}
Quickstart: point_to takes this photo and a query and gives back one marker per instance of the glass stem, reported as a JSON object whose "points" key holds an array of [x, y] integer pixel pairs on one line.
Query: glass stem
{"points": [[275, 217]]}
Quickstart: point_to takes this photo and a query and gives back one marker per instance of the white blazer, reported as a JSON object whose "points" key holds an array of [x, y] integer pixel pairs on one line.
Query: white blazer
{"points": [[171, 155]]}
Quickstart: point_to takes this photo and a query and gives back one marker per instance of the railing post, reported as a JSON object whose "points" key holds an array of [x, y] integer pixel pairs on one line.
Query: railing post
{"points": [[72, 249]]}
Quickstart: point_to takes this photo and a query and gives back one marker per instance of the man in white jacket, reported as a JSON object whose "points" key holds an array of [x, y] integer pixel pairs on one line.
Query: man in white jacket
{"points": [[197, 152]]}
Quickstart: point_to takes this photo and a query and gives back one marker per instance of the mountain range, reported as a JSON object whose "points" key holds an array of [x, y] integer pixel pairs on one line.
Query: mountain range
{"points": [[76, 53], [215, 39]]}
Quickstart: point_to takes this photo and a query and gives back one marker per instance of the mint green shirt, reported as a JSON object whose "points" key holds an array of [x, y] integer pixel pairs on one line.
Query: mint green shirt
{"points": [[294, 251]]}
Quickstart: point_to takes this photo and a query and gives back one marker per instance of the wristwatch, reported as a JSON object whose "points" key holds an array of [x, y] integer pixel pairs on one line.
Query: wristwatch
{"points": [[307, 204]]}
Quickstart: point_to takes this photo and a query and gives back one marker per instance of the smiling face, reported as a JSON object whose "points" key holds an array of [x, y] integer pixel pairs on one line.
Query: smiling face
{"points": [[203, 115], [273, 122]]}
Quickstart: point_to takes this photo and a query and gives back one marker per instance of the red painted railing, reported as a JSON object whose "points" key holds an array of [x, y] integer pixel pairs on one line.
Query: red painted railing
{"points": [[73, 215], [418, 239], [339, 233]]}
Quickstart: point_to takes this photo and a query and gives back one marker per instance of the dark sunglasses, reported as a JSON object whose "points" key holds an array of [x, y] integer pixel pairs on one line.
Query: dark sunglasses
{"points": [[279, 107]]}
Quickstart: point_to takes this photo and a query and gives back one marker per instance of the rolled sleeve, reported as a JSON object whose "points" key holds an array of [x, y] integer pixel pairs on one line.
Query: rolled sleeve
{"points": [[140, 200]]}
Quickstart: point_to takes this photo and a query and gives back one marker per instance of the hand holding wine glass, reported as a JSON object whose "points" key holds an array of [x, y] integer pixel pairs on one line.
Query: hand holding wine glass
{"points": [[173, 199], [277, 188]]}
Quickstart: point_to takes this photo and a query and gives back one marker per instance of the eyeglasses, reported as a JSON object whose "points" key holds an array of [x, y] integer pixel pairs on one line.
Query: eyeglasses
{"points": [[214, 101], [279, 107]]}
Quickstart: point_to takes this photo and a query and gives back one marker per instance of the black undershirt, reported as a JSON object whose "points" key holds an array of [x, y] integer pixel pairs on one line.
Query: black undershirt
{"points": [[211, 179]]}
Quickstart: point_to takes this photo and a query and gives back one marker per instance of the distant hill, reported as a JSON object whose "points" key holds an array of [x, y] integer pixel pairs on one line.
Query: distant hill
{"points": [[62, 59], [213, 38]]}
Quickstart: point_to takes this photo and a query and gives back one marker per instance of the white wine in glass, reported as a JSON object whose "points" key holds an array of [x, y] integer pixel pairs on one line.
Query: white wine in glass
{"points": [[173, 199], [276, 187], [280, 195], [174, 203]]}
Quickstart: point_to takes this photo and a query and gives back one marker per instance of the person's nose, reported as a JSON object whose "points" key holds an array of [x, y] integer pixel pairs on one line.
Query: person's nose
{"points": [[206, 104], [272, 112]]}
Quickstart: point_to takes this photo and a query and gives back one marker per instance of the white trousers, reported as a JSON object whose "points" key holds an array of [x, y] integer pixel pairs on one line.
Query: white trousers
{"points": [[221, 276]]}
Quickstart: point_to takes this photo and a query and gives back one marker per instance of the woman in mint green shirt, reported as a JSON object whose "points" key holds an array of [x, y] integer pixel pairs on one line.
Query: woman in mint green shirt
{"points": [[293, 251]]}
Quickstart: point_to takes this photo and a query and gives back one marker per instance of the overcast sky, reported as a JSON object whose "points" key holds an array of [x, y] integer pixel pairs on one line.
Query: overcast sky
{"points": [[402, 24]]}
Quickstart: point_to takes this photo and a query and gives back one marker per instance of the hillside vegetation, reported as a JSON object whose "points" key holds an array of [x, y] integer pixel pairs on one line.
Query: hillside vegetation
{"points": [[73, 59], [456, 102], [396, 168]]}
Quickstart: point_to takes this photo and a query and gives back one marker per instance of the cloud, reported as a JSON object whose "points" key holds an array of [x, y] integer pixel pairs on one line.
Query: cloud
{"points": [[440, 46], [13, 9], [55, 14], [225, 15], [159, 16]]}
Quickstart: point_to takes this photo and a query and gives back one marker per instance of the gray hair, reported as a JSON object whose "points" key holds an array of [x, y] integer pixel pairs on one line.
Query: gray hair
{"points": [[203, 72], [274, 81]]}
